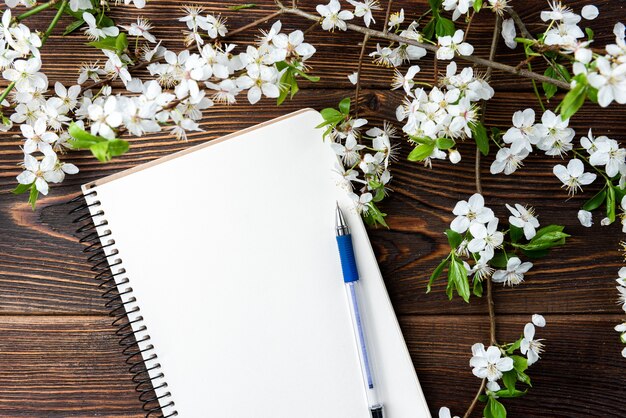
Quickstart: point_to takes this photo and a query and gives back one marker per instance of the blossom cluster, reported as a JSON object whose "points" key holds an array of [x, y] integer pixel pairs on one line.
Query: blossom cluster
{"points": [[498, 362], [181, 87], [364, 169]]}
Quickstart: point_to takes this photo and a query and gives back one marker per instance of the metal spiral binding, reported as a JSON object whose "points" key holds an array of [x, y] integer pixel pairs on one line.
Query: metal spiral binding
{"points": [[132, 333]]}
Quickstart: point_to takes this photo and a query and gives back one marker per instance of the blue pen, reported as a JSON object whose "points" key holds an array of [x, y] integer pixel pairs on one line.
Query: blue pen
{"points": [[351, 280]]}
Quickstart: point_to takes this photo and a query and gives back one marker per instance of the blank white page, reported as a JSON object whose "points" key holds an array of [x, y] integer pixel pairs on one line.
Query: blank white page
{"points": [[230, 250]]}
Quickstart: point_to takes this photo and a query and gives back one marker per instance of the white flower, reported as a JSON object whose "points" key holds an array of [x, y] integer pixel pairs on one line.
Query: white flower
{"points": [[405, 81], [590, 12], [193, 17], [529, 346], [454, 156], [559, 12], [507, 161], [333, 16], [624, 352], [482, 269], [509, 33], [448, 45], [470, 212], [286, 45], [69, 97], [57, 174], [140, 4], [354, 77], [609, 154], [89, 72], [488, 364], [524, 218], [523, 132], [460, 7], [260, 80], [556, 137], [364, 9], [361, 203], [76, 5], [514, 273], [396, 18], [26, 75], [349, 152], [37, 137], [140, 28], [585, 218], [115, 67], [485, 236], [622, 297], [573, 177], [610, 80], [93, 32], [38, 172], [564, 34], [216, 26], [105, 117], [539, 320], [444, 412]]}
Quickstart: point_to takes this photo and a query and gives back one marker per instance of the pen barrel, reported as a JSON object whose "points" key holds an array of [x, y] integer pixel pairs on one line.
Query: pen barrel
{"points": [[365, 358], [348, 262]]}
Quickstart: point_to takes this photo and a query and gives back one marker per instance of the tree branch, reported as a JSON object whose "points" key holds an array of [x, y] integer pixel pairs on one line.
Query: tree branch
{"points": [[432, 48]]}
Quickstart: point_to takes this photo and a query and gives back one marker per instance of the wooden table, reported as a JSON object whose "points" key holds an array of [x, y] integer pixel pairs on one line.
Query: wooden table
{"points": [[59, 356]]}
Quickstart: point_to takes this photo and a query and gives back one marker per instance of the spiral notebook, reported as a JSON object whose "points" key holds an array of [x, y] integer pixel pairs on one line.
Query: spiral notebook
{"points": [[220, 267]]}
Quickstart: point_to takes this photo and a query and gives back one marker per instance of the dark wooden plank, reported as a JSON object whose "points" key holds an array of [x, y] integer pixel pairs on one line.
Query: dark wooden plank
{"points": [[63, 367], [44, 270], [72, 366]]}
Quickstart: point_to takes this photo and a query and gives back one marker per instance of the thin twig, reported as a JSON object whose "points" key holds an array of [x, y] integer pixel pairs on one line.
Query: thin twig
{"points": [[387, 14], [519, 23], [358, 77], [432, 48], [475, 400], [479, 189]]}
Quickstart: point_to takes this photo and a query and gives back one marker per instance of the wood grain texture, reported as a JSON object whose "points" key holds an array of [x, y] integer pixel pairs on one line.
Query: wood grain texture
{"points": [[59, 356]]}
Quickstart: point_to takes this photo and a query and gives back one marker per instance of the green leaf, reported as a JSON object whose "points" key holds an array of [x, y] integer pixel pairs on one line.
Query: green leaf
{"points": [[81, 138], [73, 26], [429, 29], [610, 203], [444, 27], [494, 409], [436, 273], [454, 238], [574, 99], [515, 233], [344, 106], [478, 288], [589, 33], [421, 152], [100, 151], [110, 43], [34, 195], [121, 42], [331, 114], [444, 143], [374, 216], [514, 346], [548, 88], [458, 274], [478, 4], [537, 253], [435, 6], [242, 6], [510, 379], [505, 393], [22, 188], [117, 147], [596, 201], [499, 260], [547, 237], [480, 136], [520, 363]]}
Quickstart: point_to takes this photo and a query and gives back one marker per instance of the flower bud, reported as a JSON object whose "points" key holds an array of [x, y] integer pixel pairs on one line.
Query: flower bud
{"points": [[454, 156]]}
